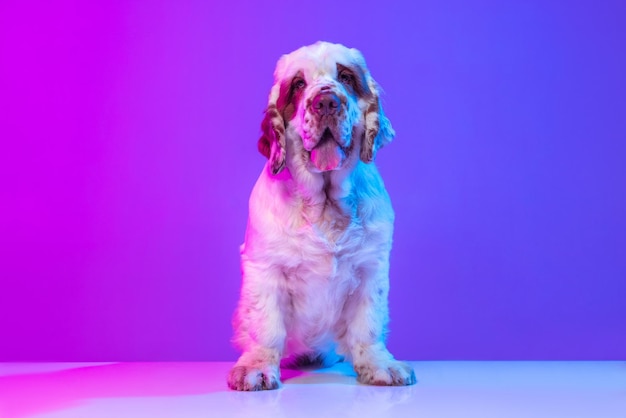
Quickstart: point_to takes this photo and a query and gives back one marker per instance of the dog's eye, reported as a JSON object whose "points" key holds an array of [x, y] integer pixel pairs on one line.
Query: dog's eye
{"points": [[346, 78], [298, 84]]}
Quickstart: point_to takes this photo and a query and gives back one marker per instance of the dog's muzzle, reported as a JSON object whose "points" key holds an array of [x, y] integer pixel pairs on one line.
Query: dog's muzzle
{"points": [[325, 103], [326, 106]]}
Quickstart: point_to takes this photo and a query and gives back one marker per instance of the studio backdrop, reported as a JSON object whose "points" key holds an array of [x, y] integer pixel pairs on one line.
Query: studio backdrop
{"points": [[128, 133]]}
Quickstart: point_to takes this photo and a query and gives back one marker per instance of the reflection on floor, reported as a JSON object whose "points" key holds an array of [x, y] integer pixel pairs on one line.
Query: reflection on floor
{"points": [[444, 389]]}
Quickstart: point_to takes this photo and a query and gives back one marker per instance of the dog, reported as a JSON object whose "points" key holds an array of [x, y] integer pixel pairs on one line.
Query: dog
{"points": [[315, 260]]}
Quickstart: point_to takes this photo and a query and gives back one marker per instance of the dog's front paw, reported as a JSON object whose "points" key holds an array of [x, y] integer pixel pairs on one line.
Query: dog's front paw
{"points": [[247, 378], [389, 373]]}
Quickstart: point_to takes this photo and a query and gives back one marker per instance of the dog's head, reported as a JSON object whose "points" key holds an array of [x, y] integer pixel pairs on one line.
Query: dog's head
{"points": [[326, 95]]}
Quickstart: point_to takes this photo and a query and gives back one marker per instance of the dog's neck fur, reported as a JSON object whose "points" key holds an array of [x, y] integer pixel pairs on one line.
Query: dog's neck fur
{"points": [[327, 198]]}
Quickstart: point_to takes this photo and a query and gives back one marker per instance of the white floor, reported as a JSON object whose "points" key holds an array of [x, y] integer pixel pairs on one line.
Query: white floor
{"points": [[444, 389]]}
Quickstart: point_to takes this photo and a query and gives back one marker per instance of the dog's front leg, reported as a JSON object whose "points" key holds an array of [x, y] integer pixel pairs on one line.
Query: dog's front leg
{"points": [[260, 331], [366, 316]]}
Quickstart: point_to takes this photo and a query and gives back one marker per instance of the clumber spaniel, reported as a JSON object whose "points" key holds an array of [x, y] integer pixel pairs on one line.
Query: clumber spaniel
{"points": [[315, 260]]}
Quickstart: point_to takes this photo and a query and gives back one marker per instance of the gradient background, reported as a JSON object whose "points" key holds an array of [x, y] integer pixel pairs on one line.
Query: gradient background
{"points": [[128, 149]]}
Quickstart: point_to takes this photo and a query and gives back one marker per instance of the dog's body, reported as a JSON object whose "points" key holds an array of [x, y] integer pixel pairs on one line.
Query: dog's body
{"points": [[315, 261]]}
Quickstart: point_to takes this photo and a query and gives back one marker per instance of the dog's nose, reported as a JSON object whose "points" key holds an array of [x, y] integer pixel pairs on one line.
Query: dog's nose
{"points": [[325, 104]]}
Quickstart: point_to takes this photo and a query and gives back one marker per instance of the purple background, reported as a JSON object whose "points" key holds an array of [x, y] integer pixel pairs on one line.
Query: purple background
{"points": [[128, 149]]}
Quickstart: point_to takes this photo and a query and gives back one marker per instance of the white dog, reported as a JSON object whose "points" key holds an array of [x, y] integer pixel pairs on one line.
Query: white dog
{"points": [[315, 261]]}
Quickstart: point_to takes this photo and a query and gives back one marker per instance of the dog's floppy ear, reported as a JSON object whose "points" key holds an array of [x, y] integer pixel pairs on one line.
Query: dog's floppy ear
{"points": [[378, 130], [272, 141]]}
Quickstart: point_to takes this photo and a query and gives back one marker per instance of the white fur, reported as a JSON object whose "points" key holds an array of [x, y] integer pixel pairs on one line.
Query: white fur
{"points": [[315, 261]]}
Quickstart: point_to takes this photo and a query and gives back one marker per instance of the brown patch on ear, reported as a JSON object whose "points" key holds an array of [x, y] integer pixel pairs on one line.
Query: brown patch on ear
{"points": [[272, 142], [289, 111], [372, 127], [264, 143], [283, 95], [378, 130], [277, 115], [289, 97], [264, 146]]}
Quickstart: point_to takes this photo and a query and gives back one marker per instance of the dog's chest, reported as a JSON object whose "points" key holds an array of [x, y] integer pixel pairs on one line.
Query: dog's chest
{"points": [[323, 267], [314, 294], [327, 234]]}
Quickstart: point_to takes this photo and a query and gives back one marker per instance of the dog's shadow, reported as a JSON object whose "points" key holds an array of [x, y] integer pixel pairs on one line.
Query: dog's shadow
{"points": [[340, 373], [343, 374]]}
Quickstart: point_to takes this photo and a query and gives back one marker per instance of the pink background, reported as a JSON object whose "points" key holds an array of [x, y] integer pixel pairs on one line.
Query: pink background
{"points": [[128, 149]]}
